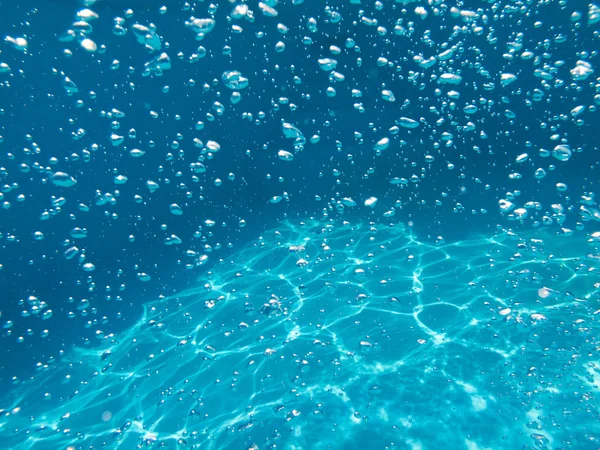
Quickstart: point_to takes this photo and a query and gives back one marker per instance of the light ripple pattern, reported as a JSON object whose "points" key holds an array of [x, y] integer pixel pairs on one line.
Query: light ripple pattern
{"points": [[339, 335]]}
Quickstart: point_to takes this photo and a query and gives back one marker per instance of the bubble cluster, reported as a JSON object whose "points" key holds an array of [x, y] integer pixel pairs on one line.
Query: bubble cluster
{"points": [[341, 334], [145, 145]]}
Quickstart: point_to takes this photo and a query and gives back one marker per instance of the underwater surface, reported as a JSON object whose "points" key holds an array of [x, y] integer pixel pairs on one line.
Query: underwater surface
{"points": [[299, 224]]}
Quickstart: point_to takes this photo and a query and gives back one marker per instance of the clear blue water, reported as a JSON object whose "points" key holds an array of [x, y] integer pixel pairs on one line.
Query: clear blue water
{"points": [[299, 225], [324, 335]]}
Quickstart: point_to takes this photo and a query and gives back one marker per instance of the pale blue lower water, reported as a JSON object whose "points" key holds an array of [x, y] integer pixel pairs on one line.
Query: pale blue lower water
{"points": [[342, 335]]}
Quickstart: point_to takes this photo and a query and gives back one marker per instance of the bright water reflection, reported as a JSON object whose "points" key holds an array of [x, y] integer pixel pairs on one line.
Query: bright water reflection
{"points": [[340, 335]]}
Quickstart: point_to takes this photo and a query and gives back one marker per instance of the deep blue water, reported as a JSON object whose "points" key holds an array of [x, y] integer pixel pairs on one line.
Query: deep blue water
{"points": [[432, 318]]}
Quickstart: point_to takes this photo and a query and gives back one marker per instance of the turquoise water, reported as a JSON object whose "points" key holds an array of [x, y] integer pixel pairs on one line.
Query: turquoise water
{"points": [[299, 224], [331, 334]]}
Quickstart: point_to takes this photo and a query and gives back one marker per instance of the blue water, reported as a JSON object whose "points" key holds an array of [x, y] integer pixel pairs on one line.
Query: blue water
{"points": [[271, 272]]}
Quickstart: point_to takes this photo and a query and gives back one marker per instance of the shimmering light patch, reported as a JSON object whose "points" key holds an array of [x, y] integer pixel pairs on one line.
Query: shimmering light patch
{"points": [[266, 340]]}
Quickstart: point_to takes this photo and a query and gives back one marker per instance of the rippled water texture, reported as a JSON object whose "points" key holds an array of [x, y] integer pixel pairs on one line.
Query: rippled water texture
{"points": [[299, 224], [324, 335]]}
